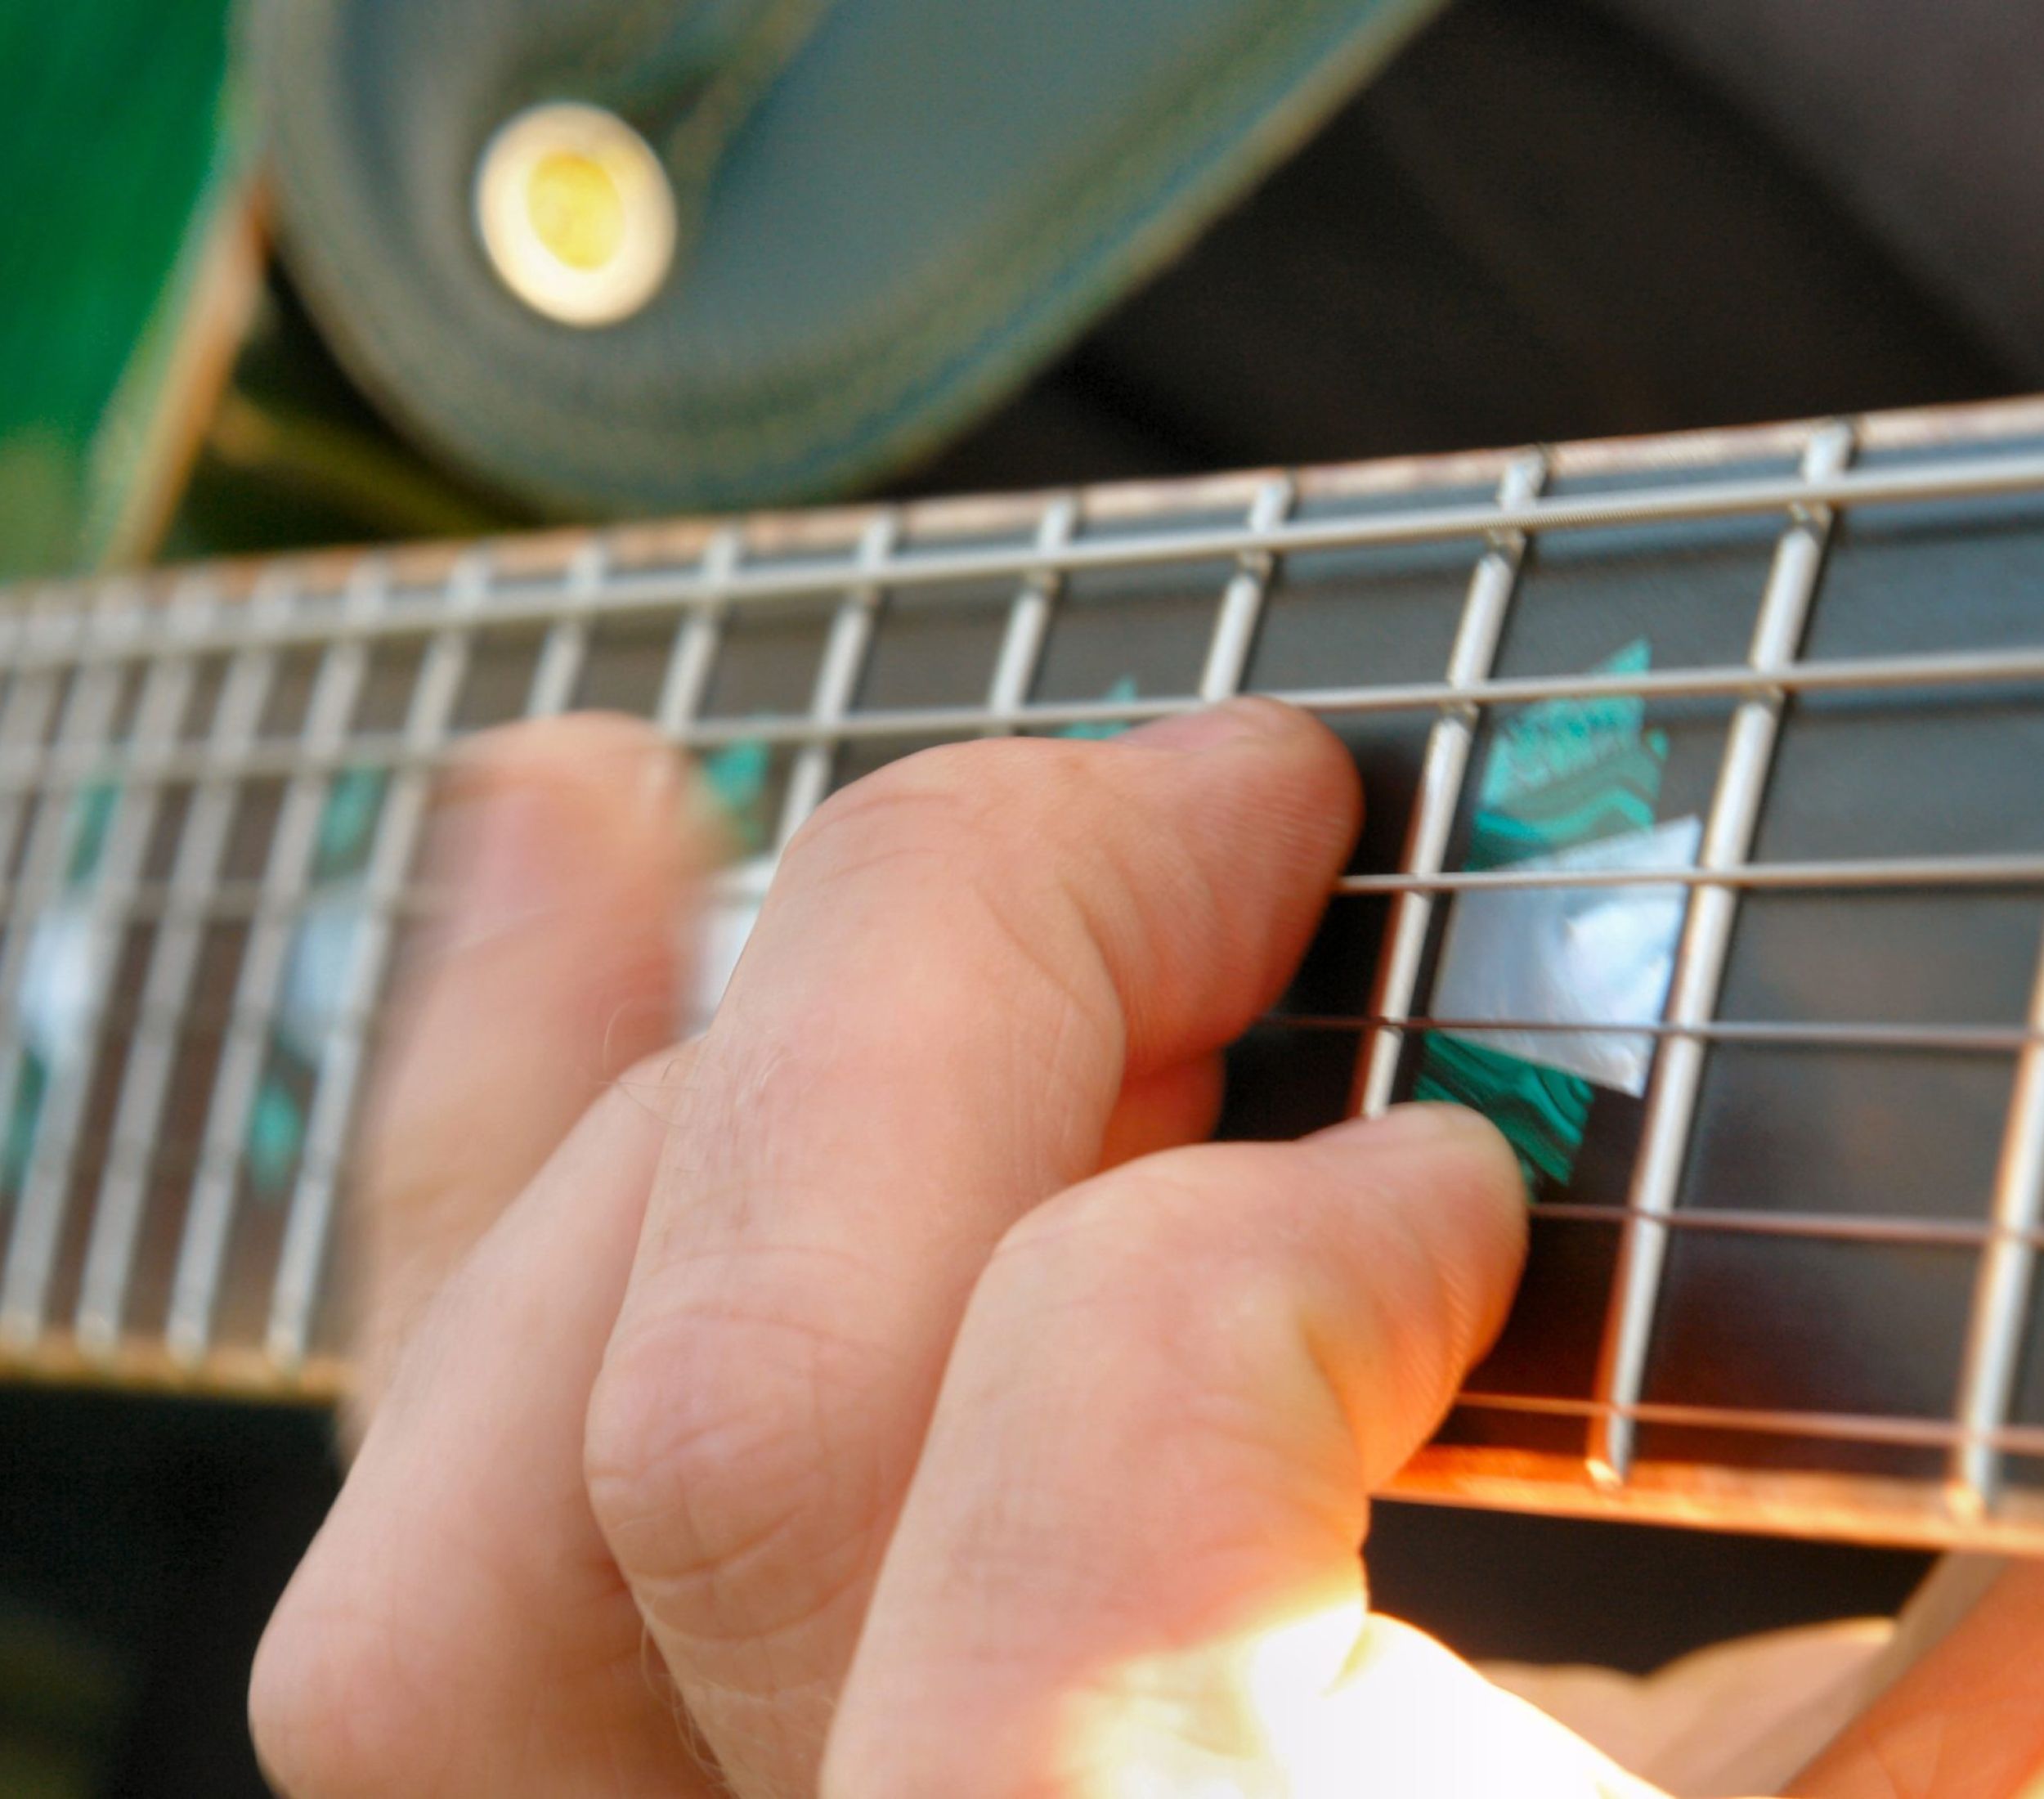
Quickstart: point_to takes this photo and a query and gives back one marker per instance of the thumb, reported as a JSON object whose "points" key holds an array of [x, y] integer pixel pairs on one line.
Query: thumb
{"points": [[567, 862], [1336, 1705]]}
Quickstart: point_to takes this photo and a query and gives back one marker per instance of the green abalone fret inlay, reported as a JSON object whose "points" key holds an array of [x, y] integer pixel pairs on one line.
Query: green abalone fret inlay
{"points": [[1561, 774]]}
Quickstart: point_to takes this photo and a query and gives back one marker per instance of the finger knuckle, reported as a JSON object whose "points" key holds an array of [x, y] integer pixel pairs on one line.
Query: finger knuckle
{"points": [[704, 1463]]}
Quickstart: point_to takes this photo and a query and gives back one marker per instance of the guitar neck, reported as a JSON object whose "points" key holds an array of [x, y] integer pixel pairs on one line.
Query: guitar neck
{"points": [[213, 782]]}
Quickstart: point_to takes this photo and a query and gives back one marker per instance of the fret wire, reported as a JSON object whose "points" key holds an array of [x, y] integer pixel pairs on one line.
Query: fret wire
{"points": [[558, 669], [1028, 626], [209, 1210], [1984, 477], [88, 715], [1235, 627], [1868, 1428], [837, 681], [2003, 1294], [43, 1203], [1699, 972], [1957, 1039], [692, 657], [167, 992], [1442, 773], [60, 769], [436, 694]]}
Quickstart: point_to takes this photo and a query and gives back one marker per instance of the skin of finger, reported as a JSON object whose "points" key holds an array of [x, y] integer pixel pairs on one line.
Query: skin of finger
{"points": [[1739, 1717], [457, 1626], [1164, 1110], [567, 847], [966, 962], [1174, 1389], [1967, 1722]]}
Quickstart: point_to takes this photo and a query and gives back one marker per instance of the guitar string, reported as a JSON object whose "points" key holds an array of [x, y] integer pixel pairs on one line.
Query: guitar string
{"points": [[56, 767], [315, 625], [1962, 671]]}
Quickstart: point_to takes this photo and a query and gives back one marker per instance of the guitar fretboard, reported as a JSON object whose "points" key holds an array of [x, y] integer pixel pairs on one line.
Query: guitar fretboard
{"points": [[1788, 1280]]}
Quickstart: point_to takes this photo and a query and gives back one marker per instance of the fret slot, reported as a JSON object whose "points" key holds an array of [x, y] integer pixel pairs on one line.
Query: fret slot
{"points": [[622, 669], [768, 662], [502, 668], [1920, 774], [1931, 577], [1141, 632], [295, 677], [1907, 1134], [1945, 952], [259, 809], [1789, 1326], [388, 683], [934, 647], [1367, 615]]}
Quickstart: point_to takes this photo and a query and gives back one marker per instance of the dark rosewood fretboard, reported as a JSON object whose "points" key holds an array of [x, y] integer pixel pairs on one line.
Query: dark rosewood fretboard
{"points": [[1793, 1284]]}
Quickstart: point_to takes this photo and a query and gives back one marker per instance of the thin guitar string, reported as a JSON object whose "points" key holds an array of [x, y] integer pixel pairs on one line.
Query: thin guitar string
{"points": [[1962, 671]]}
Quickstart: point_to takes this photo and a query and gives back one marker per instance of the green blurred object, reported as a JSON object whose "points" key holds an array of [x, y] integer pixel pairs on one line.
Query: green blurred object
{"points": [[124, 240]]}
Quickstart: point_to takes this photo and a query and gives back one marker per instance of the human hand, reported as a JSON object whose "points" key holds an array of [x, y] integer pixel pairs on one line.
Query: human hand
{"points": [[880, 1391]]}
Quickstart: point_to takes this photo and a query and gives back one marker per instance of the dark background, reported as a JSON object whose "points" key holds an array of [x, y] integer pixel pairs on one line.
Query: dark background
{"points": [[1547, 220]]}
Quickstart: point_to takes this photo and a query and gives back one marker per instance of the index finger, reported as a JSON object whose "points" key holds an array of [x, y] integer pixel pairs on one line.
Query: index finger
{"points": [[965, 959]]}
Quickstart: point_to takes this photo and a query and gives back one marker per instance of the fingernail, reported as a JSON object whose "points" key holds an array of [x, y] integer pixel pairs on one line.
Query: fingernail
{"points": [[1230, 722]]}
